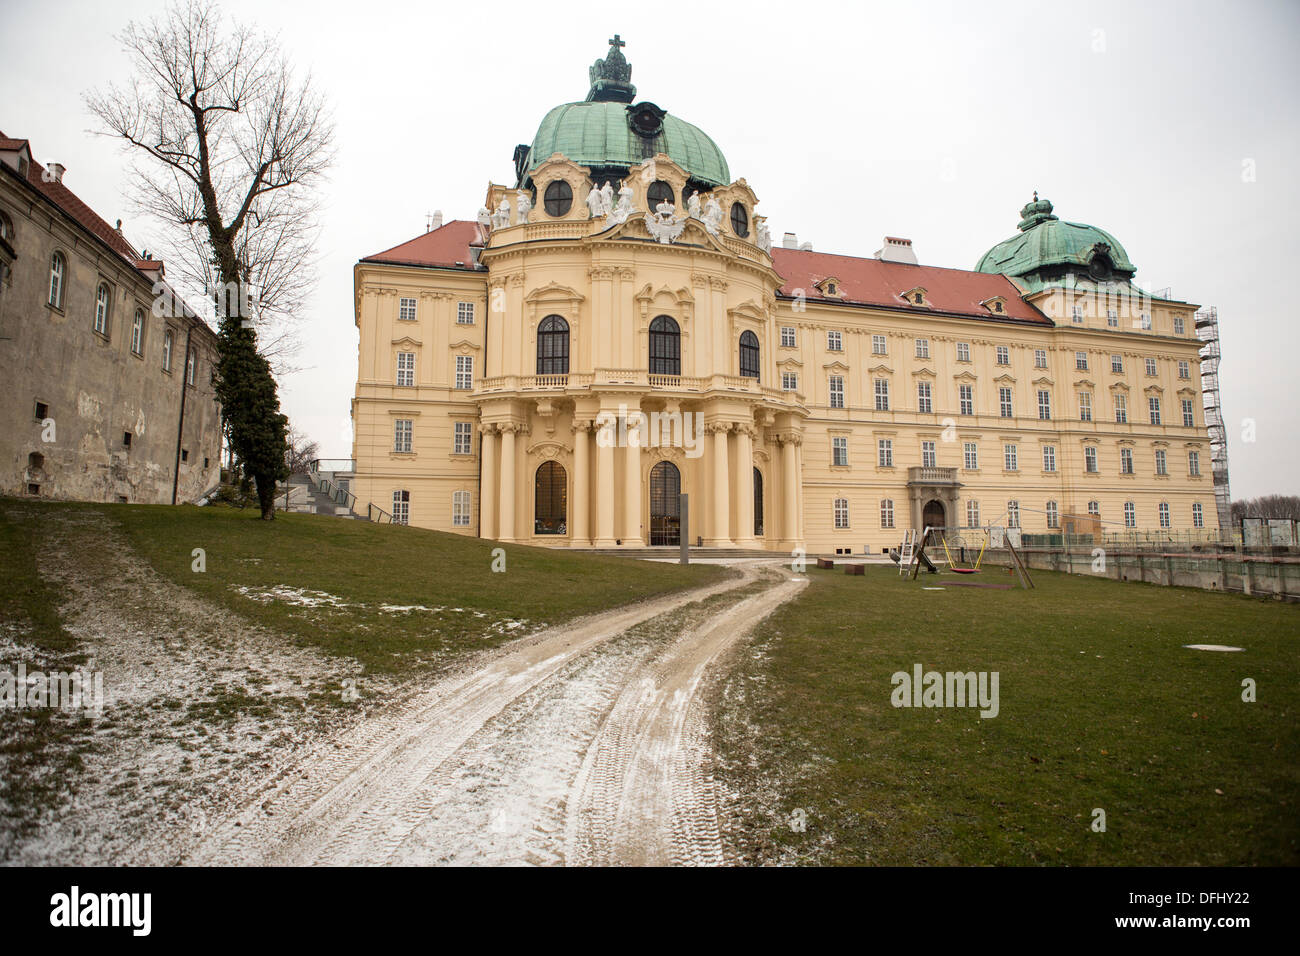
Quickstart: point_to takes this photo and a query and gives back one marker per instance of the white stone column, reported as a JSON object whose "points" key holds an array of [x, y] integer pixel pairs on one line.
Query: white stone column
{"points": [[789, 492], [580, 508], [606, 439], [720, 520], [509, 431], [632, 483], [488, 492], [745, 486]]}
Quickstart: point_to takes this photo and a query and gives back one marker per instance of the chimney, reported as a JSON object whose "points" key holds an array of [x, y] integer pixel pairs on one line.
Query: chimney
{"points": [[436, 222], [789, 241], [897, 250], [54, 173], [806, 247]]}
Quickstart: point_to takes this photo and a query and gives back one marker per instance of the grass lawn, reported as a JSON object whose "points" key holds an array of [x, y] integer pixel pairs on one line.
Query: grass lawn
{"points": [[355, 577], [1100, 707]]}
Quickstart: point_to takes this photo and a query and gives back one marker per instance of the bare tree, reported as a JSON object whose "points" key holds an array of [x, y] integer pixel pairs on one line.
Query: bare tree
{"points": [[1267, 506], [230, 146], [302, 451]]}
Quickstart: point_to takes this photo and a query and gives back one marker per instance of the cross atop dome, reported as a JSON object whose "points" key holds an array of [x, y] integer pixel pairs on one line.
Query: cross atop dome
{"points": [[611, 78]]}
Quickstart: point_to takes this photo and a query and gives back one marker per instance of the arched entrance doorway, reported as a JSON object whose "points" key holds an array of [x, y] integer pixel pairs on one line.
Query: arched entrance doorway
{"points": [[934, 515], [665, 513], [551, 499]]}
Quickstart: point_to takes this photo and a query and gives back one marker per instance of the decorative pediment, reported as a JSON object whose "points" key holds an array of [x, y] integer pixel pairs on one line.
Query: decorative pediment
{"points": [[749, 309], [1153, 390], [1186, 392], [463, 346], [966, 375], [548, 450], [1120, 387], [881, 369], [554, 292], [1084, 383], [836, 366], [679, 297], [1006, 377], [407, 340], [923, 372], [1043, 380], [789, 362]]}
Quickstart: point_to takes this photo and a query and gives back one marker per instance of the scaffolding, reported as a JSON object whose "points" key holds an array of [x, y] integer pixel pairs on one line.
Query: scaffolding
{"points": [[1207, 330]]}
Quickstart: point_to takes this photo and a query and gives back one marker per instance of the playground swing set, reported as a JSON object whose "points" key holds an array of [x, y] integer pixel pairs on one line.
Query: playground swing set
{"points": [[912, 556]]}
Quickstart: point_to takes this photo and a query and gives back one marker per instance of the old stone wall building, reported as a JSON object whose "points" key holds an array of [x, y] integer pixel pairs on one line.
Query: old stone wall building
{"points": [[516, 373], [107, 375]]}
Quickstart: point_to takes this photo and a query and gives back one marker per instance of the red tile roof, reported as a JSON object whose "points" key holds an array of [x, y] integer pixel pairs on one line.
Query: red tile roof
{"points": [[448, 246], [880, 283]]}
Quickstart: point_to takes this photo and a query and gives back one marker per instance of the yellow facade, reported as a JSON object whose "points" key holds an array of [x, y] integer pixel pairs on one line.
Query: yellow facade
{"points": [[608, 283]]}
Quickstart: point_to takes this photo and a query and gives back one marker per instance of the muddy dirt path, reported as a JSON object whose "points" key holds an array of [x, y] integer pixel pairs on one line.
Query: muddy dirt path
{"points": [[584, 744]]}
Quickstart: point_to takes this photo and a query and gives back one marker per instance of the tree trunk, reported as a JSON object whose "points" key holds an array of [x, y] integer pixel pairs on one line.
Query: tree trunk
{"points": [[266, 496]]}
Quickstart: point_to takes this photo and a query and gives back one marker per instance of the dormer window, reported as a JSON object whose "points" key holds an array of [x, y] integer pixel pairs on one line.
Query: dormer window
{"points": [[916, 296], [997, 305], [829, 287]]}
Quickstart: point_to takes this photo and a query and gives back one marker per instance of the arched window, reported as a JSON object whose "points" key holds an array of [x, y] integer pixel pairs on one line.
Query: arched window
{"points": [[137, 333], [101, 309], [748, 354], [658, 192], [553, 346], [665, 347], [665, 505], [558, 198], [758, 502], [739, 220], [551, 491], [58, 266]]}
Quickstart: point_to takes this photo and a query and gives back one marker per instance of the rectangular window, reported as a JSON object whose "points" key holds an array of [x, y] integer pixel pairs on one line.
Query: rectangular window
{"points": [[837, 391], [401, 507], [834, 342], [167, 350], [1179, 327], [882, 394], [1146, 321], [1184, 369], [887, 513], [963, 351], [1112, 318], [928, 456], [789, 382], [1004, 403], [406, 310], [1162, 463], [1121, 409], [923, 402], [1053, 517], [1010, 460], [1130, 515], [1085, 406], [1164, 515], [1090, 459], [406, 368], [885, 452], [966, 399], [460, 509], [787, 337], [464, 313], [1194, 464], [972, 513], [1044, 405], [878, 346], [1003, 355], [137, 333], [464, 371], [1081, 361], [1189, 413], [403, 429], [1153, 409], [1076, 315], [191, 367], [923, 348], [1117, 364], [1151, 366], [1198, 516], [1013, 514], [1126, 461], [42, 412], [1094, 508], [841, 512], [1040, 358], [840, 452], [971, 455], [463, 440], [1049, 458]]}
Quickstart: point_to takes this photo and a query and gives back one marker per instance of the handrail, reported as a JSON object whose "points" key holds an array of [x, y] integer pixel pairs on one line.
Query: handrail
{"points": [[378, 514]]}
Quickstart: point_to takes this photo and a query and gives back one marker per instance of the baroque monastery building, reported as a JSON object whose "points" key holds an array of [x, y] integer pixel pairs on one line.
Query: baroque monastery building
{"points": [[617, 327]]}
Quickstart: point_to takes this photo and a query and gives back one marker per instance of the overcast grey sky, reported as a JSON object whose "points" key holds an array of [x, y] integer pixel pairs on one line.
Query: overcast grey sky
{"points": [[934, 121]]}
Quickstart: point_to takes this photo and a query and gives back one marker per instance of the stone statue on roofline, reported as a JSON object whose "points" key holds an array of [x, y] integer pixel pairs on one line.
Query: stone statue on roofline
{"points": [[624, 207], [764, 239], [712, 217], [693, 205], [523, 205], [607, 198], [664, 224], [484, 216], [501, 218], [595, 205]]}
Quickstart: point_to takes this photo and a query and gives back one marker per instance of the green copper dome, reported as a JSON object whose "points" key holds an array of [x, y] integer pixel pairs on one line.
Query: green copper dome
{"points": [[609, 132], [1048, 249]]}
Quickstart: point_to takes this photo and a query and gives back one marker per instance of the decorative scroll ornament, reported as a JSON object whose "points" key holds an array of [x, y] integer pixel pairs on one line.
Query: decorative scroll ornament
{"points": [[664, 224]]}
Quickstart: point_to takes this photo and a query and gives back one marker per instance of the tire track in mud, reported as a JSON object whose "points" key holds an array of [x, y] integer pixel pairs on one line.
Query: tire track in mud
{"points": [[358, 797]]}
